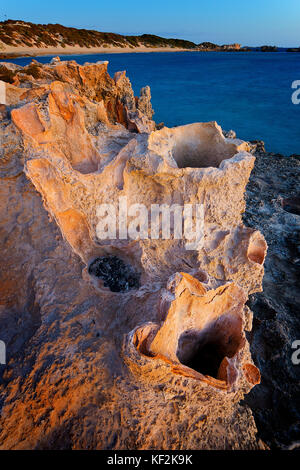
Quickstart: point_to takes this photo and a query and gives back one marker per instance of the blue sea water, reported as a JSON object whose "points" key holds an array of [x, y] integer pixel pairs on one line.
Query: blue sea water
{"points": [[249, 92]]}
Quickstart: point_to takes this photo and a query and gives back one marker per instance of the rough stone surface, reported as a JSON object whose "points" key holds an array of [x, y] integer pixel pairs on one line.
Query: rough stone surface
{"points": [[91, 368], [144, 102], [275, 402]]}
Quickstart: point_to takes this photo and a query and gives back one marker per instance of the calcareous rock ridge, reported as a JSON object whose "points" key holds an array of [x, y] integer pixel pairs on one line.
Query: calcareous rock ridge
{"points": [[121, 343]]}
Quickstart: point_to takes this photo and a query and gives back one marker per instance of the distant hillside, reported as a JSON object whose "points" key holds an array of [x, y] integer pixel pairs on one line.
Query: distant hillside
{"points": [[20, 33], [20, 37]]}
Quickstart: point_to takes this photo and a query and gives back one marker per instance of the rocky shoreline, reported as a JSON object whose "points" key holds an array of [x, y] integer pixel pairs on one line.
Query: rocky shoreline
{"points": [[273, 205]]}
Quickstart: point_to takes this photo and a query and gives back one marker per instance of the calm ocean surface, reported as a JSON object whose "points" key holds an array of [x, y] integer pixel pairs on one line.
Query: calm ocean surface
{"points": [[247, 92]]}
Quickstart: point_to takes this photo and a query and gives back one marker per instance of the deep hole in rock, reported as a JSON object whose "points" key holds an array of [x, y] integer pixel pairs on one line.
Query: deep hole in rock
{"points": [[292, 205], [200, 148], [117, 275], [204, 350], [207, 360]]}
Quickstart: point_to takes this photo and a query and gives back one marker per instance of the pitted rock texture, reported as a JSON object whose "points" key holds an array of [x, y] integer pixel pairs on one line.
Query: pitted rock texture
{"points": [[100, 369], [202, 333], [276, 325], [113, 96], [75, 171]]}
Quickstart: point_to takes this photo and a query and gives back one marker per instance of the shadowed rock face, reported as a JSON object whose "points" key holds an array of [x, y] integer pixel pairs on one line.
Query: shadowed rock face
{"points": [[292, 204], [128, 325], [272, 189]]}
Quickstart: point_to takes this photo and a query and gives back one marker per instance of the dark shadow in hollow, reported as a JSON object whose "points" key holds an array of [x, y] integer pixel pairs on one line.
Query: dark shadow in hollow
{"points": [[117, 275], [292, 205], [204, 350]]}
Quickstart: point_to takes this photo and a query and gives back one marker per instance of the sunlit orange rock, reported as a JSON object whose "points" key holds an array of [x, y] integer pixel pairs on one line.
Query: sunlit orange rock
{"points": [[167, 353], [202, 329]]}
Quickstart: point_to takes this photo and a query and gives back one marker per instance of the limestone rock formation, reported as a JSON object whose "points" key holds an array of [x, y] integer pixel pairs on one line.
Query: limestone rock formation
{"points": [[132, 342], [202, 334], [90, 81], [144, 102]]}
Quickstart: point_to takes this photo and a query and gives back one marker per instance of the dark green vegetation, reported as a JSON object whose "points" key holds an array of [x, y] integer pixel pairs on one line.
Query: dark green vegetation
{"points": [[269, 49], [21, 33], [7, 75], [18, 33]]}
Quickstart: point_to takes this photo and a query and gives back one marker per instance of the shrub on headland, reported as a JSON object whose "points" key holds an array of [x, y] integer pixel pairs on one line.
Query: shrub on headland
{"points": [[6, 75], [13, 33]]}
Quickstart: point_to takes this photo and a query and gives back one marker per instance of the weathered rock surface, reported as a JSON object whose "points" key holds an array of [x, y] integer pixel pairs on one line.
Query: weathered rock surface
{"points": [[165, 363], [271, 198], [90, 81]]}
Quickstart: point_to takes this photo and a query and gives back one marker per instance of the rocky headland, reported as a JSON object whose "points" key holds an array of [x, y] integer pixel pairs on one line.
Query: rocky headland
{"points": [[140, 343]]}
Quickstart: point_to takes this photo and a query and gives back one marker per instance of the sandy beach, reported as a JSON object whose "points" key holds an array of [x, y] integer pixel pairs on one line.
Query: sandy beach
{"points": [[44, 51]]}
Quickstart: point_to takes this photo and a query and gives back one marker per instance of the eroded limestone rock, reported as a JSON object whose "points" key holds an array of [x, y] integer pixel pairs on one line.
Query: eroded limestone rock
{"points": [[87, 141], [187, 165], [144, 102], [201, 333]]}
